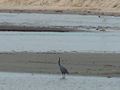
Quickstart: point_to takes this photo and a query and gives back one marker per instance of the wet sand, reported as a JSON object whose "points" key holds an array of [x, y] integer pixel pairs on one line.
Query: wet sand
{"points": [[100, 64], [56, 28]]}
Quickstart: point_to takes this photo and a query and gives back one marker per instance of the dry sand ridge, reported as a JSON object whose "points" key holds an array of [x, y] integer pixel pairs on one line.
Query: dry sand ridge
{"points": [[96, 6]]}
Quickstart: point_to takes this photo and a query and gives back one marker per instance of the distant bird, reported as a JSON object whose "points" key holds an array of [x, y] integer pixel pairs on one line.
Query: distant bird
{"points": [[62, 69], [99, 16]]}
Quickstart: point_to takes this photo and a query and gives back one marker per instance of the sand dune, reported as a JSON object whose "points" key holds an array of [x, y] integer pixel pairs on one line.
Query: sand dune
{"points": [[108, 7], [66, 3]]}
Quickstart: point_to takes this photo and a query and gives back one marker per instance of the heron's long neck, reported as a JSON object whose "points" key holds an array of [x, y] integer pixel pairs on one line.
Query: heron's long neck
{"points": [[59, 62]]}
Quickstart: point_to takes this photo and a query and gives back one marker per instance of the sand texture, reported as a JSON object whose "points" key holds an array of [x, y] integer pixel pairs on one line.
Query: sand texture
{"points": [[103, 64], [66, 3], [111, 7]]}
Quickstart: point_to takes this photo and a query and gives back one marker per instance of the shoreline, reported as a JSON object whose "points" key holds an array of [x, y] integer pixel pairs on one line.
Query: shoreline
{"points": [[63, 10], [23, 28], [77, 63]]}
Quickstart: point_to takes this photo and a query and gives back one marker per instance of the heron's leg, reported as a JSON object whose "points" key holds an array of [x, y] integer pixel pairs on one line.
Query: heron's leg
{"points": [[63, 76]]}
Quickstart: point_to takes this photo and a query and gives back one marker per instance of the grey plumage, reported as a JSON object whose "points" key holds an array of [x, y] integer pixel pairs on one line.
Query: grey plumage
{"points": [[62, 69]]}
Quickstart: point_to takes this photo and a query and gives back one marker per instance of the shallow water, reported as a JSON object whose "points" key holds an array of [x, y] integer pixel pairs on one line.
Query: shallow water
{"points": [[28, 81], [39, 19], [55, 41]]}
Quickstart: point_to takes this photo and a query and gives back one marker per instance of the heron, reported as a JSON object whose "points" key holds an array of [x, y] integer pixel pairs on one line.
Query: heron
{"points": [[62, 69]]}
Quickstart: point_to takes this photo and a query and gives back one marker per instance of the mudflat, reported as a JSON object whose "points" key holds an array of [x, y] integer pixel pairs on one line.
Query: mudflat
{"points": [[98, 64]]}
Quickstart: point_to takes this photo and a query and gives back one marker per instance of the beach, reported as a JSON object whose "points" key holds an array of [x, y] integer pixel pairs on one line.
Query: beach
{"points": [[60, 16], [82, 53], [84, 34], [95, 64]]}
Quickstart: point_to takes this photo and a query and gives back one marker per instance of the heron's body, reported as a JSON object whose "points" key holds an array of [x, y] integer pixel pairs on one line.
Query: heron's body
{"points": [[62, 69]]}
